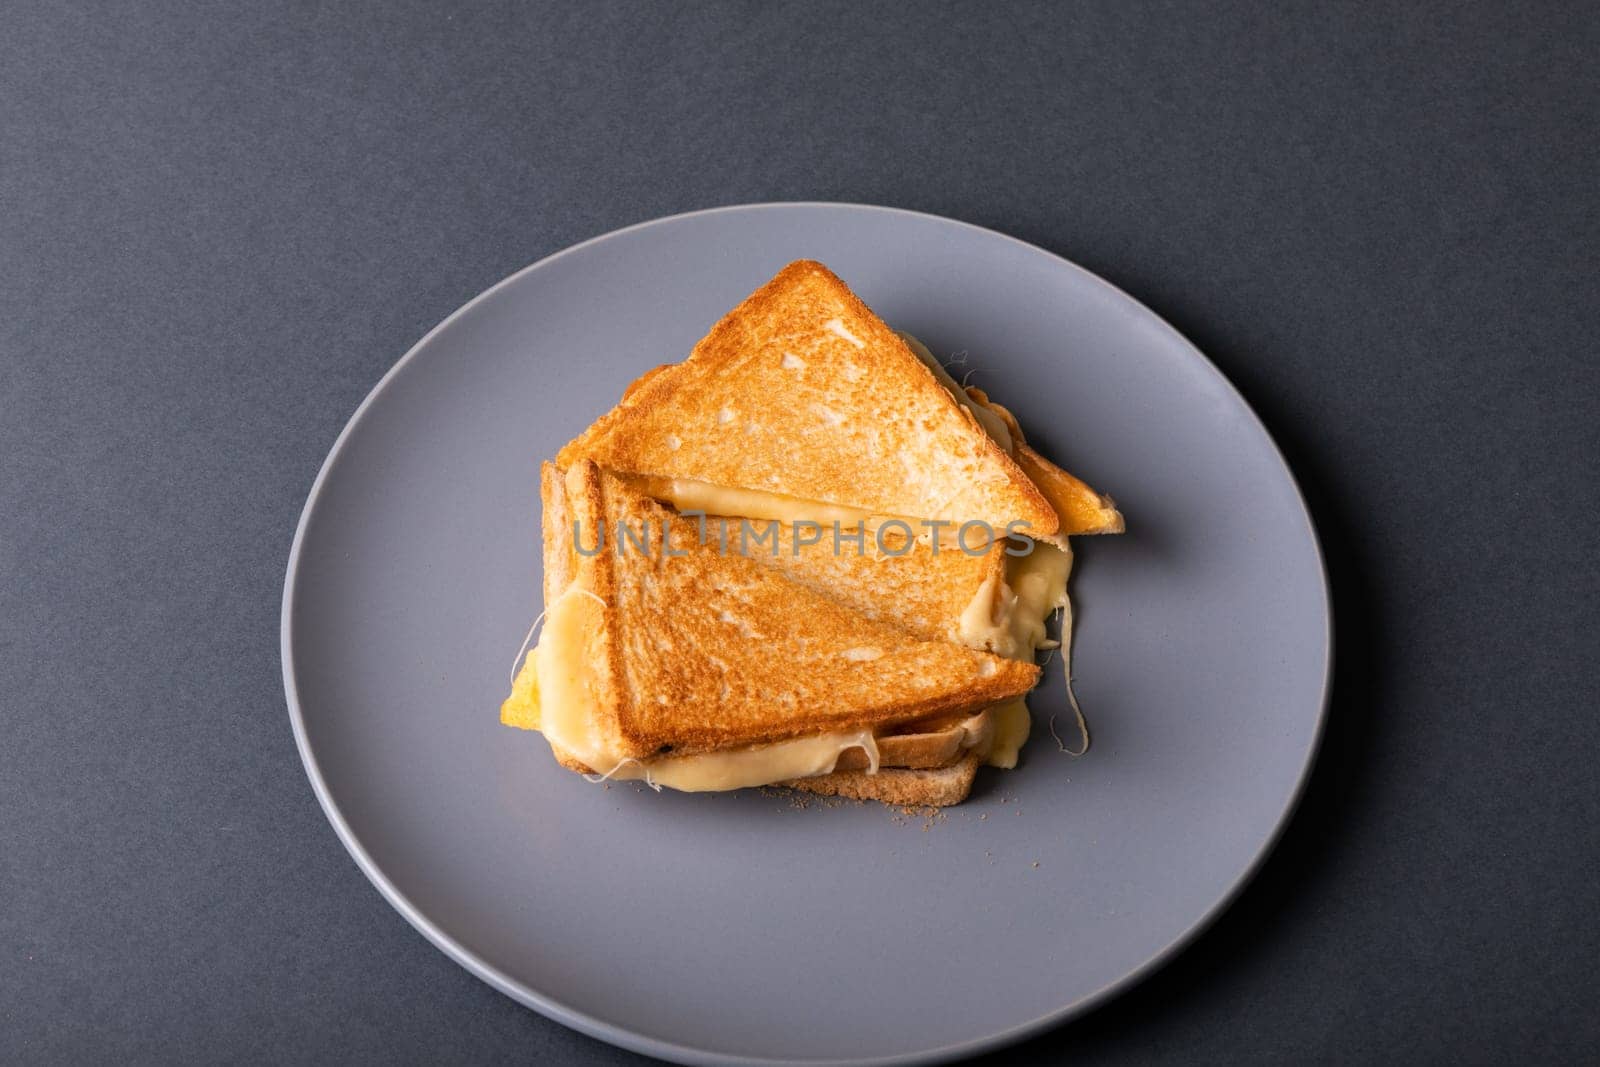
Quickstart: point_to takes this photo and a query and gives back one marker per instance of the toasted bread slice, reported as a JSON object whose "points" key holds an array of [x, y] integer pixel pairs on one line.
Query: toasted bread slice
{"points": [[802, 393], [707, 651], [937, 787]]}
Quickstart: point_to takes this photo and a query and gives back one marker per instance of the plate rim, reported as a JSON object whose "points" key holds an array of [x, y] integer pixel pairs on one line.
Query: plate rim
{"points": [[637, 1041]]}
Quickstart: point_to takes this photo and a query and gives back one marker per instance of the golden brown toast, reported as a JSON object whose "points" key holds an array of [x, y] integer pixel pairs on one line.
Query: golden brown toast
{"points": [[802, 391], [710, 651]]}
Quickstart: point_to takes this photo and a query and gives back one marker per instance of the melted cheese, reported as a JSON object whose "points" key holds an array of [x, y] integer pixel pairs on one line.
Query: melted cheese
{"points": [[567, 703], [760, 765], [686, 494], [521, 708], [1012, 724], [559, 701], [1007, 616]]}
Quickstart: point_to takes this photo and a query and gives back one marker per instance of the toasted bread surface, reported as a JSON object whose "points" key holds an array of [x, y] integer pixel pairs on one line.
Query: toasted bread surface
{"points": [[560, 561], [802, 390], [710, 650]]}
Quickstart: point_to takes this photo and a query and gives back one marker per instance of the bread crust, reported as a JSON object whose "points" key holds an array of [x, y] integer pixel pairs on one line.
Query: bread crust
{"points": [[939, 787]]}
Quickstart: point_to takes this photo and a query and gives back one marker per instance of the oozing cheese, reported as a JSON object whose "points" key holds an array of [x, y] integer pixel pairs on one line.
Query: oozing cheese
{"points": [[1008, 616], [686, 494], [1010, 620], [803, 757], [1012, 724]]}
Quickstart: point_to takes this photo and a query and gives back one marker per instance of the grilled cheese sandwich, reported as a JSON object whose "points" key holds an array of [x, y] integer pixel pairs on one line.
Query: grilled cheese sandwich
{"points": [[802, 408]]}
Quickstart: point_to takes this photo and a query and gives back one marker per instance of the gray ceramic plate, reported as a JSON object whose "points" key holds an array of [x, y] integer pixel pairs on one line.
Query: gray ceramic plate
{"points": [[740, 927]]}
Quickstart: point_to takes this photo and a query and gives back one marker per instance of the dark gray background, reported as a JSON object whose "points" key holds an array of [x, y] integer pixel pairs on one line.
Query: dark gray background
{"points": [[219, 226]]}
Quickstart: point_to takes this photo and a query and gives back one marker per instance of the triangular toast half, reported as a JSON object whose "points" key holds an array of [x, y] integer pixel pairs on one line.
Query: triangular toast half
{"points": [[706, 651], [801, 392]]}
